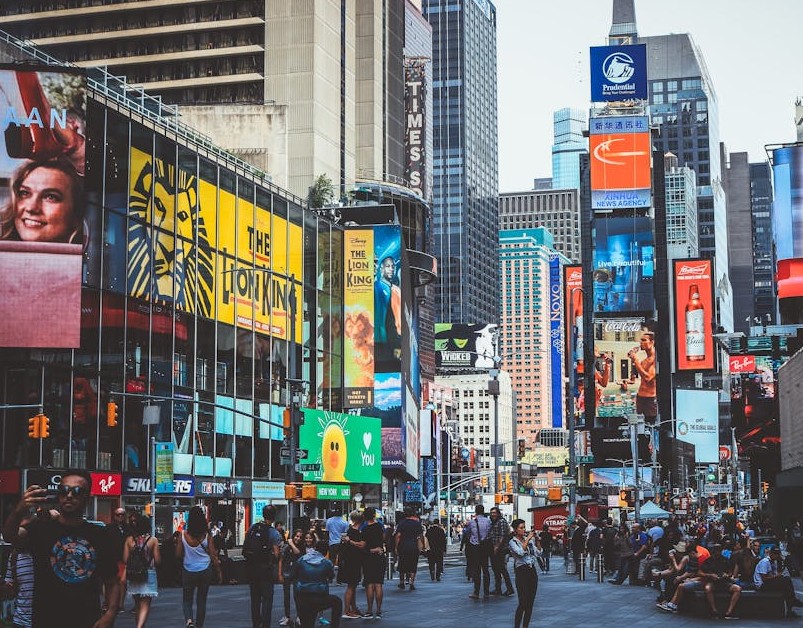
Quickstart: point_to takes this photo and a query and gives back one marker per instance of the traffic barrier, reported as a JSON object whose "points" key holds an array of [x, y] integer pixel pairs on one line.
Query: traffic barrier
{"points": [[583, 559]]}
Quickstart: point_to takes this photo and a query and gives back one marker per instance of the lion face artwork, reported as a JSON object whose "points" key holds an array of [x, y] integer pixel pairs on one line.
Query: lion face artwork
{"points": [[169, 254]]}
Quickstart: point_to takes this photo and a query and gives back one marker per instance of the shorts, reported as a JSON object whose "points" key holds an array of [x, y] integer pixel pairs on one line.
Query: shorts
{"points": [[148, 588], [648, 406], [373, 569], [694, 585]]}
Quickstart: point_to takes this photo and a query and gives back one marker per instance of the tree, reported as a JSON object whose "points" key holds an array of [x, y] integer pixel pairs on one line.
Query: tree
{"points": [[322, 192]]}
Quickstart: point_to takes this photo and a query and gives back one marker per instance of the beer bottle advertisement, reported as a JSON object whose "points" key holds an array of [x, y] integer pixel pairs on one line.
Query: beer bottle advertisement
{"points": [[694, 341]]}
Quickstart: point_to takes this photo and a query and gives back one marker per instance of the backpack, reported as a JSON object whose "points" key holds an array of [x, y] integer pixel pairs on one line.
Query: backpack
{"points": [[258, 544], [138, 563]]}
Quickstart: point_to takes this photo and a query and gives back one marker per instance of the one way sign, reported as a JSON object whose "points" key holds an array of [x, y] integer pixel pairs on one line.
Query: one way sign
{"points": [[301, 454]]}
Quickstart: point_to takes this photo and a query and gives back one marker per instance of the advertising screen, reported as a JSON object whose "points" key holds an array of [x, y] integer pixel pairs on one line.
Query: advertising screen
{"points": [[358, 330], [460, 345], [341, 447], [618, 73], [573, 317], [556, 339], [621, 476], [42, 220], [621, 174], [697, 422], [787, 208], [610, 447], [625, 368], [624, 266], [694, 312]]}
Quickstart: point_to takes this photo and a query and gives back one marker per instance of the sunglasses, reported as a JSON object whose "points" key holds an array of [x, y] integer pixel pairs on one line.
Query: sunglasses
{"points": [[77, 491]]}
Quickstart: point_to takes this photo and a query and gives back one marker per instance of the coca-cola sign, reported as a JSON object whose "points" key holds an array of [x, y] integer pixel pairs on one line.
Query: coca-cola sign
{"points": [[742, 364], [623, 326]]}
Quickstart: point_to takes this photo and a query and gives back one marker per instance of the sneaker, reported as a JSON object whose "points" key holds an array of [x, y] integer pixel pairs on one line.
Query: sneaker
{"points": [[350, 616], [367, 615], [378, 615], [323, 621], [474, 596], [285, 621], [730, 616], [508, 593]]}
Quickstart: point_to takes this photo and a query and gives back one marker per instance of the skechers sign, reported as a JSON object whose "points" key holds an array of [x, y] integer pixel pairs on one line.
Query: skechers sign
{"points": [[133, 484], [618, 73]]}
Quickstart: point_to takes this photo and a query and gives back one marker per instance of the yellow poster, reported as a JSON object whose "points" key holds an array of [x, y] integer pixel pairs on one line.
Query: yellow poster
{"points": [[358, 301]]}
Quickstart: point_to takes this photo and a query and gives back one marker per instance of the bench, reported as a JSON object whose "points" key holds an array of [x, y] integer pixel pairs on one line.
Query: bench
{"points": [[757, 604]]}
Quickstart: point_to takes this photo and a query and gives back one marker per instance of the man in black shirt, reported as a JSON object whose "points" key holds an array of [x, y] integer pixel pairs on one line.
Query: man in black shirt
{"points": [[436, 538], [72, 558], [716, 572]]}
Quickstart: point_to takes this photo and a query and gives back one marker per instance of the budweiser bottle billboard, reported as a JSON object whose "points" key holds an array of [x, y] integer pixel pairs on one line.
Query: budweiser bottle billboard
{"points": [[695, 326]]}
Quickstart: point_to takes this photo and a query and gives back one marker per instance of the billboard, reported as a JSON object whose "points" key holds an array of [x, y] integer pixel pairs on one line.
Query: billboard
{"points": [[556, 339], [624, 368], [358, 330], [697, 422], [43, 215], [459, 345], [612, 446], [415, 97], [787, 208], [621, 164], [694, 314], [340, 447], [741, 364], [624, 266], [618, 73]]}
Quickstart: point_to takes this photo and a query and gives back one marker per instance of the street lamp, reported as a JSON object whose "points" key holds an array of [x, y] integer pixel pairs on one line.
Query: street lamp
{"points": [[570, 418]]}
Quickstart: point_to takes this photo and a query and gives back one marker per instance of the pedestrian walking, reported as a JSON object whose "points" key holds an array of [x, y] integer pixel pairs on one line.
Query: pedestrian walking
{"points": [[200, 566], [119, 529], [312, 573], [480, 547], [523, 547], [547, 541], [72, 558], [352, 550], [500, 536], [465, 534], [409, 533], [141, 557], [290, 553], [261, 553], [373, 563], [436, 537]]}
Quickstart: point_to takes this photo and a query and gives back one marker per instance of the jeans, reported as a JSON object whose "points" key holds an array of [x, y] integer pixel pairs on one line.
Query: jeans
{"points": [[435, 561], [526, 587], [625, 565], [288, 589], [261, 590], [310, 604], [479, 562], [191, 581], [782, 584], [499, 565]]}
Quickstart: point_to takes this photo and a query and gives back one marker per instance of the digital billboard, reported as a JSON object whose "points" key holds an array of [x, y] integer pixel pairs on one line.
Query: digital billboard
{"points": [[415, 97], [610, 446], [573, 317], [556, 339], [464, 345], [341, 447], [787, 207], [624, 368], [621, 168], [624, 266], [697, 422], [43, 228], [754, 403], [618, 73], [694, 314], [358, 328]]}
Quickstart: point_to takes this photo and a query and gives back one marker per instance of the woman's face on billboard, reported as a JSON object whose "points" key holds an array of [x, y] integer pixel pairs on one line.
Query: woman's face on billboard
{"points": [[43, 209]]}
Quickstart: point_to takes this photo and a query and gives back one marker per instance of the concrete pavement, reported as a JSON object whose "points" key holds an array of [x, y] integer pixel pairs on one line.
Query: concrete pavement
{"points": [[561, 600]]}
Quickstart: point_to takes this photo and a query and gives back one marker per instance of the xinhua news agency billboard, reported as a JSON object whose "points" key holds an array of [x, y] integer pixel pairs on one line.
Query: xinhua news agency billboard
{"points": [[624, 266], [694, 311], [43, 223], [556, 339], [621, 162], [697, 422], [341, 447], [618, 73]]}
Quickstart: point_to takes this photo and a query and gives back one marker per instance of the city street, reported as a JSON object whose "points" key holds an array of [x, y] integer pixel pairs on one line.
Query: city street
{"points": [[561, 599]]}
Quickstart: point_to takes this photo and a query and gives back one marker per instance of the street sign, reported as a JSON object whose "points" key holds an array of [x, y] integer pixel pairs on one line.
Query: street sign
{"points": [[301, 454], [718, 488], [584, 459], [748, 502], [507, 463], [569, 480], [312, 466]]}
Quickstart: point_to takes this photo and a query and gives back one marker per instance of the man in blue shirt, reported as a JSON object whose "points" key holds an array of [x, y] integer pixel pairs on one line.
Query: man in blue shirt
{"points": [[767, 577], [639, 541], [336, 527], [480, 547]]}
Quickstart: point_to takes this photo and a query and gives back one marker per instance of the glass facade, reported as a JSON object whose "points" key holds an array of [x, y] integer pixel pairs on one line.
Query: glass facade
{"points": [[569, 143], [761, 199]]}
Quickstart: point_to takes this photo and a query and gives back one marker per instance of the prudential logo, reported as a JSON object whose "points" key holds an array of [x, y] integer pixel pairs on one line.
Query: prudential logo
{"points": [[618, 67]]}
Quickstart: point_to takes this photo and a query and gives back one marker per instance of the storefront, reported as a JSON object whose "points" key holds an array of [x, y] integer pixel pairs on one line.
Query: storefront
{"points": [[106, 490], [266, 493], [171, 508], [227, 502]]}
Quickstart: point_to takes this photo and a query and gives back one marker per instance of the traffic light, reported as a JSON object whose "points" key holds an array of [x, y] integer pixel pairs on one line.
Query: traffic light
{"points": [[287, 421], [521, 449], [509, 482], [34, 427], [44, 426], [111, 414]]}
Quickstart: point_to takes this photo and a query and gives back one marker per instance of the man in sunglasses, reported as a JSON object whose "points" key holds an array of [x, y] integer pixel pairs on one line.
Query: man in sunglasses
{"points": [[72, 557]]}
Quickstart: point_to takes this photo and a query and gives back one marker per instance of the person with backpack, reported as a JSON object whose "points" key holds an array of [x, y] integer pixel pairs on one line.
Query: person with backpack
{"points": [[141, 557], [261, 553]]}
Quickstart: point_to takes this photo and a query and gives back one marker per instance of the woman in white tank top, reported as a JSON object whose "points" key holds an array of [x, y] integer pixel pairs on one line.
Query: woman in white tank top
{"points": [[200, 565]]}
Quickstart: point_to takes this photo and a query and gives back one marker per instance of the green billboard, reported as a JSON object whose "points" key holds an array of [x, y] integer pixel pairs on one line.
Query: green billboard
{"points": [[341, 447]]}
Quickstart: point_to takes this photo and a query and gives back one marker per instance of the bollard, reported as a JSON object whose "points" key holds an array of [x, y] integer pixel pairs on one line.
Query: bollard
{"points": [[570, 568], [583, 558], [600, 568]]}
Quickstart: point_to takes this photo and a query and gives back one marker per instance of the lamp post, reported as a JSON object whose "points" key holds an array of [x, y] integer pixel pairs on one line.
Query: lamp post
{"points": [[570, 418]]}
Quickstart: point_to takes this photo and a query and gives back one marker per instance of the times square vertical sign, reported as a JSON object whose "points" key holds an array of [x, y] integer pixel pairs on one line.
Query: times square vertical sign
{"points": [[415, 95]]}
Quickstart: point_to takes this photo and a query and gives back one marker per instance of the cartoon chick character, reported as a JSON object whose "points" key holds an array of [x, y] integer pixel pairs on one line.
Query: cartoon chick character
{"points": [[333, 453]]}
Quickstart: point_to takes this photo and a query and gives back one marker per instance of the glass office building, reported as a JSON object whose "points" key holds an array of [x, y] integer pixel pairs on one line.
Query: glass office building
{"points": [[569, 126]]}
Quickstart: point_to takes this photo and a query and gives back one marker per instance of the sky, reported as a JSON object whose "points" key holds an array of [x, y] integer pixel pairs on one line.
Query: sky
{"points": [[751, 47]]}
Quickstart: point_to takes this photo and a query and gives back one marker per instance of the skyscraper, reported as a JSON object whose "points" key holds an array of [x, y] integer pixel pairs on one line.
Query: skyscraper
{"points": [[465, 181], [569, 126], [681, 210], [764, 300], [684, 105]]}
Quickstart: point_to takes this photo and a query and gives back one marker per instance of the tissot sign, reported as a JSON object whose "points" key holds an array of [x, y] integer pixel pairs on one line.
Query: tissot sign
{"points": [[618, 73]]}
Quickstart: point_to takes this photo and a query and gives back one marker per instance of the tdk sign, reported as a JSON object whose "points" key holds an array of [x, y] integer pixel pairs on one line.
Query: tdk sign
{"points": [[619, 73]]}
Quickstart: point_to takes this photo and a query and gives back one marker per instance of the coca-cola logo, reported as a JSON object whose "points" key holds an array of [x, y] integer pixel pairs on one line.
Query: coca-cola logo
{"points": [[622, 326], [697, 269], [575, 275], [742, 364]]}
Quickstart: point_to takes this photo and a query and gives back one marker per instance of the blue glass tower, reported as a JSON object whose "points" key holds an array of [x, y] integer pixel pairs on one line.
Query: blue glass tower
{"points": [[569, 125]]}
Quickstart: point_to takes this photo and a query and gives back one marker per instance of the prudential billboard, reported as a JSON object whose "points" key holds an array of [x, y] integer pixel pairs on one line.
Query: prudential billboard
{"points": [[618, 73]]}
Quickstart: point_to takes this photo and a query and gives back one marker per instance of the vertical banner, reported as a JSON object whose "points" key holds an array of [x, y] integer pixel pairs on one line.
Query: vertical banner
{"points": [[415, 96], [556, 340], [164, 467], [694, 311], [358, 302]]}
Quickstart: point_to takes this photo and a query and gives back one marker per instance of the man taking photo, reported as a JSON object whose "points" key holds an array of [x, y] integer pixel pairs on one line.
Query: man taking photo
{"points": [[72, 558]]}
